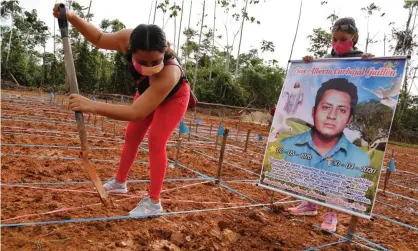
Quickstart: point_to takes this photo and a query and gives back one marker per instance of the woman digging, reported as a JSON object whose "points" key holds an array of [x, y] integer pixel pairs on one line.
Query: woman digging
{"points": [[159, 105]]}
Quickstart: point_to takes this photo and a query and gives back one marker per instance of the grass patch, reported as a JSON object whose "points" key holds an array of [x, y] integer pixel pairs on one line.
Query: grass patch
{"points": [[376, 158], [402, 144]]}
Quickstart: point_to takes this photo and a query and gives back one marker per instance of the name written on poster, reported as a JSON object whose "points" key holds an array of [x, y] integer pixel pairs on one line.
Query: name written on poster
{"points": [[352, 72]]}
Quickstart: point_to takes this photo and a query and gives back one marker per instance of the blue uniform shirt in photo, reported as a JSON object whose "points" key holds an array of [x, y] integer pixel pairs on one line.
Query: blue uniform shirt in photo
{"points": [[344, 158]]}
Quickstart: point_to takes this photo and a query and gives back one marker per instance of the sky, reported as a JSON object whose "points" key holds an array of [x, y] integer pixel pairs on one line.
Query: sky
{"points": [[278, 21]]}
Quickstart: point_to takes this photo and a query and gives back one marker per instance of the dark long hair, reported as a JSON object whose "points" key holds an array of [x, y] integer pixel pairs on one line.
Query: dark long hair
{"points": [[147, 37]]}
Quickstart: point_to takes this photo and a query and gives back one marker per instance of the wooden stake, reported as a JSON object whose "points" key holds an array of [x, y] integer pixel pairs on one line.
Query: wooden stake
{"points": [[197, 125], [210, 131], [62, 101], [352, 227], [102, 123], [114, 128], [190, 131], [178, 150], [221, 156], [246, 141], [95, 120], [272, 197], [236, 136], [217, 140], [88, 120], [387, 176]]}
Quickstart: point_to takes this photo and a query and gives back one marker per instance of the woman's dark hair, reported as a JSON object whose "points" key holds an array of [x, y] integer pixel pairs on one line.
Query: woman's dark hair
{"points": [[147, 37]]}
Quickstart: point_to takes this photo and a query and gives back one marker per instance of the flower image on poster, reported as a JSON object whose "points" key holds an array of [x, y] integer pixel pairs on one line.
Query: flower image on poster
{"points": [[329, 131]]}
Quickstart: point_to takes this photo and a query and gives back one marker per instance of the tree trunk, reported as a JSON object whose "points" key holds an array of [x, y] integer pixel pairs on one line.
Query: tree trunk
{"points": [[181, 20], [198, 51], [188, 27], [230, 47], [368, 35], [227, 49], [150, 11], [155, 11], [55, 62], [190, 13], [407, 28], [10, 39], [213, 41], [175, 31], [43, 65], [88, 12], [240, 38], [296, 34]]}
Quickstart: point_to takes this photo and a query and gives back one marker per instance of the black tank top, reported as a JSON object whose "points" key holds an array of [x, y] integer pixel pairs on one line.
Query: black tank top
{"points": [[142, 82]]}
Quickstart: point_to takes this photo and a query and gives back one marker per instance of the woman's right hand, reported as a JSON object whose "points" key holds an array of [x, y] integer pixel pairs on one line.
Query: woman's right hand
{"points": [[56, 12], [307, 59]]}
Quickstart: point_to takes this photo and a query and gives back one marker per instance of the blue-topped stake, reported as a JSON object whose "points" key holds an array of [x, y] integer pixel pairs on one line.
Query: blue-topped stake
{"points": [[389, 170], [197, 123], [221, 130], [220, 133], [183, 128], [51, 95], [392, 166]]}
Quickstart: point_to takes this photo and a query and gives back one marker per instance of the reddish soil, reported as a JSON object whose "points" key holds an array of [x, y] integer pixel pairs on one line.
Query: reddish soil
{"points": [[33, 124]]}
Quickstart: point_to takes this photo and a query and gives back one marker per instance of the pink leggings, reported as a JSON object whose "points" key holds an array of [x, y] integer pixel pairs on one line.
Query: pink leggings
{"points": [[162, 122]]}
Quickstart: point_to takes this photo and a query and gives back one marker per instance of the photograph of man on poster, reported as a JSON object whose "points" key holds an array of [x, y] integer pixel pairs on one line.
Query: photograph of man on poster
{"points": [[325, 145]]}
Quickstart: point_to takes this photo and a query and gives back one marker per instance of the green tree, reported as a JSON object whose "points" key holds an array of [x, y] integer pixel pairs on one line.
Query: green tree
{"points": [[267, 46], [320, 42], [372, 128]]}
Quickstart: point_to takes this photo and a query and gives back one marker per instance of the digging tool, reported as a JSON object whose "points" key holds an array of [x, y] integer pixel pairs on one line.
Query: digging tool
{"points": [[70, 70]]}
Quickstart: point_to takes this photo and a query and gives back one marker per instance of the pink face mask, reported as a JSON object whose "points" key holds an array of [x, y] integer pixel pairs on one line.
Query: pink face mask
{"points": [[147, 71], [342, 48]]}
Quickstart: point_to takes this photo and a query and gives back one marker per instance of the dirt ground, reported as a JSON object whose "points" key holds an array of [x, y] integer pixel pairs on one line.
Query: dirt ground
{"points": [[40, 146]]}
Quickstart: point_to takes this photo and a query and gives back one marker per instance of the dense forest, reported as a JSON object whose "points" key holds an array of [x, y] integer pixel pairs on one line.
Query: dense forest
{"points": [[215, 71]]}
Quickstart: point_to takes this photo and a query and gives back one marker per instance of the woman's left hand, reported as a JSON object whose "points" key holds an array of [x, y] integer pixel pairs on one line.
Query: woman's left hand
{"points": [[81, 104], [367, 55]]}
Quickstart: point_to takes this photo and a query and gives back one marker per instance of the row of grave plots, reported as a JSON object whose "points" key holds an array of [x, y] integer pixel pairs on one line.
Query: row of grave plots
{"points": [[48, 201]]}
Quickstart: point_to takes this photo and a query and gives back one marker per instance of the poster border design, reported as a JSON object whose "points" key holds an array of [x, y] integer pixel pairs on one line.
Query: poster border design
{"points": [[341, 209]]}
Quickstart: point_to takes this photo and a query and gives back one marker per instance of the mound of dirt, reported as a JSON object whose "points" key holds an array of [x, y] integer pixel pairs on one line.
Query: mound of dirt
{"points": [[257, 117]]}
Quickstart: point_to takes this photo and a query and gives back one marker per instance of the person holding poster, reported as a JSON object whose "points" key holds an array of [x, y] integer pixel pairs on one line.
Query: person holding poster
{"points": [[325, 144], [344, 38]]}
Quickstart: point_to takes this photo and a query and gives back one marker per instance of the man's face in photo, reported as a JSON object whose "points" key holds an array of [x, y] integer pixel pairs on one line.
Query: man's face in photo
{"points": [[332, 113]]}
